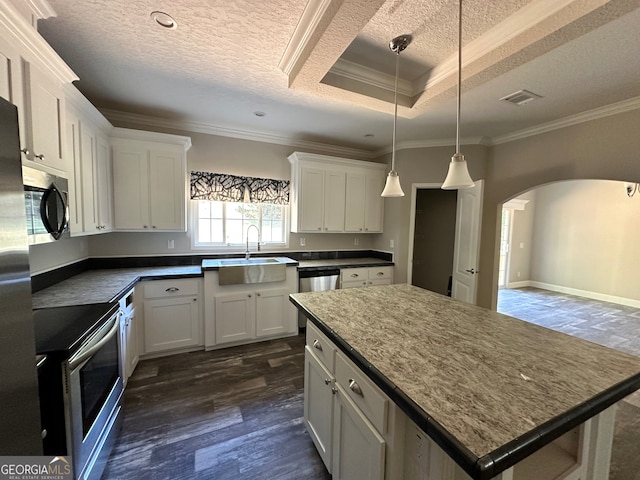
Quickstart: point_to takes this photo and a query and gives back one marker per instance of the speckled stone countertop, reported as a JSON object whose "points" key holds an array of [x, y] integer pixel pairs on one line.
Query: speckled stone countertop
{"points": [[105, 285], [343, 262], [489, 388]]}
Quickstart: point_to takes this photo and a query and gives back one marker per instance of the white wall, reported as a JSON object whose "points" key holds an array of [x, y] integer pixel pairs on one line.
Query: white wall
{"points": [[586, 238], [521, 240], [47, 256]]}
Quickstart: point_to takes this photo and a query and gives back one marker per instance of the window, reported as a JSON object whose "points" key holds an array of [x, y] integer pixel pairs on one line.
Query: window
{"points": [[222, 224]]}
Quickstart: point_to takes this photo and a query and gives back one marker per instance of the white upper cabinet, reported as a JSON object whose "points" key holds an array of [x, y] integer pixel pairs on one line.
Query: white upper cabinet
{"points": [[89, 155], [335, 195], [149, 180], [32, 78]]}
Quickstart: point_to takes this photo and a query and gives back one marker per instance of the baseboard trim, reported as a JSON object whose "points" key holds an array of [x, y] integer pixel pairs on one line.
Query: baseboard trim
{"points": [[629, 302], [521, 284]]}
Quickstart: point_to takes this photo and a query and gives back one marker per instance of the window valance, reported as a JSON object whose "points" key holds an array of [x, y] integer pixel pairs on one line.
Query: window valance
{"points": [[221, 187]]}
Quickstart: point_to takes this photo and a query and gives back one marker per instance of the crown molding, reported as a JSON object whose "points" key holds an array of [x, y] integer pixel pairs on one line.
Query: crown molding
{"points": [[77, 100], [131, 134], [31, 45], [370, 76], [442, 142], [115, 116], [41, 9], [595, 114], [522, 21], [311, 18]]}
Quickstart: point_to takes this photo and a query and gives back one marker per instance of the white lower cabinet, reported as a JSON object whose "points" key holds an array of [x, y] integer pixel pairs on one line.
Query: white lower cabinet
{"points": [[358, 448], [128, 337], [244, 313], [354, 426], [171, 315], [365, 277]]}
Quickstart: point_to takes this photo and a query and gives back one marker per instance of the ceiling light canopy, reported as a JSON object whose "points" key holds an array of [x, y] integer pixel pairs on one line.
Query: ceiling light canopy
{"points": [[164, 20], [392, 187], [458, 174]]}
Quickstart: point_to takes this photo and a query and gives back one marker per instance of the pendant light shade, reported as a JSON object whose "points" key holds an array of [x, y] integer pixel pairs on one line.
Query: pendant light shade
{"points": [[458, 174], [392, 187]]}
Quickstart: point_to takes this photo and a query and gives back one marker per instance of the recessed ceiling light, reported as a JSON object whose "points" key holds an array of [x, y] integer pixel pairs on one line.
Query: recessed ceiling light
{"points": [[259, 114], [164, 20]]}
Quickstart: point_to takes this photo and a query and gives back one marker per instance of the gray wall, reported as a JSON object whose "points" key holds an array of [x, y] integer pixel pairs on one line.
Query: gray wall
{"points": [[606, 148], [522, 240]]}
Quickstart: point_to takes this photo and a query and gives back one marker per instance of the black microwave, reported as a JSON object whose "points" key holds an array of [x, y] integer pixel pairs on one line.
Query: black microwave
{"points": [[46, 199]]}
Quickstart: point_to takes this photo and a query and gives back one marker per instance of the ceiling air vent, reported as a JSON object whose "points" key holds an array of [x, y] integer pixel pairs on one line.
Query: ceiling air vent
{"points": [[521, 97]]}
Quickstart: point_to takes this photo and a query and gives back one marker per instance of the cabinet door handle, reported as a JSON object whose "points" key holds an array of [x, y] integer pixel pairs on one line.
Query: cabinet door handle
{"points": [[327, 381], [25, 151], [144, 226], [172, 289], [355, 388], [354, 275], [249, 295], [317, 344], [153, 226], [380, 274], [334, 390], [39, 156], [257, 294]]}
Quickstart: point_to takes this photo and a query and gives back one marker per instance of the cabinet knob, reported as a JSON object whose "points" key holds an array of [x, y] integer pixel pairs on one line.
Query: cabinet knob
{"points": [[39, 156], [172, 289], [317, 345], [195, 299], [319, 228], [334, 390], [360, 229], [153, 226], [25, 151], [355, 388], [249, 295], [144, 226], [366, 229], [327, 381], [257, 294]]}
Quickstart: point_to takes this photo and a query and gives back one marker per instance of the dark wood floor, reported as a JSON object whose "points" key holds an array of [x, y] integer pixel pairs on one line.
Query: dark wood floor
{"points": [[228, 414]]}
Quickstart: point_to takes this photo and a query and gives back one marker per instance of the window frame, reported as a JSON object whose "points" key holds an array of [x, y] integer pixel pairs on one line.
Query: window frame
{"points": [[234, 247]]}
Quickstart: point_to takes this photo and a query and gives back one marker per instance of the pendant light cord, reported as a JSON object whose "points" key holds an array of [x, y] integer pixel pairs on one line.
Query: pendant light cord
{"points": [[395, 114], [459, 76]]}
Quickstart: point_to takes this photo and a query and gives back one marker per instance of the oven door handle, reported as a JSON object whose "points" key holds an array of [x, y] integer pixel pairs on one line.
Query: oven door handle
{"points": [[82, 356]]}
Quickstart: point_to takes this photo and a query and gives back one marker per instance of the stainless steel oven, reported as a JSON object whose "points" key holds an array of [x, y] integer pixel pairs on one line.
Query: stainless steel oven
{"points": [[93, 387], [46, 204]]}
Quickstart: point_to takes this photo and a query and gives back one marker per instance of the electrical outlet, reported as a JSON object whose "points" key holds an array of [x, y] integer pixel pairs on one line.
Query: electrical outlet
{"points": [[171, 244], [521, 245], [356, 241], [518, 274], [392, 243], [303, 241]]}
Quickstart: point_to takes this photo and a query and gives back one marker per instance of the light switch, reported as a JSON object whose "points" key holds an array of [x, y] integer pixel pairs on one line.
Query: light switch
{"points": [[170, 244], [303, 241]]}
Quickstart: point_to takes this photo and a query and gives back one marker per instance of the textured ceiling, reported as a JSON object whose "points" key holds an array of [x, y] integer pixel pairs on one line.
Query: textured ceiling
{"points": [[227, 59]]}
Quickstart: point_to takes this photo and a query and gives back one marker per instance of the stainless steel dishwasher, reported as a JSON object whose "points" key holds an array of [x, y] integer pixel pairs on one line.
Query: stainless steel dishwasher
{"points": [[316, 281]]}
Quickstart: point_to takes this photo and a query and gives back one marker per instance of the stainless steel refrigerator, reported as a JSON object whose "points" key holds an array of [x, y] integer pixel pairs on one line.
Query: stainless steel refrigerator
{"points": [[20, 429]]}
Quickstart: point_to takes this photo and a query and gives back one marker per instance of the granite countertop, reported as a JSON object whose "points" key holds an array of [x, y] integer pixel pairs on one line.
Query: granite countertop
{"points": [[489, 388], [343, 262], [105, 285]]}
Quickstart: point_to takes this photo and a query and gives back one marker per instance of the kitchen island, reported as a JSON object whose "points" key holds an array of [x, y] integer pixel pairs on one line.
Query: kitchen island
{"points": [[488, 389]]}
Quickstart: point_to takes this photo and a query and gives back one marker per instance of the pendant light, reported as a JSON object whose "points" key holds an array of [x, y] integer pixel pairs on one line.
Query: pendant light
{"points": [[392, 188], [458, 174]]}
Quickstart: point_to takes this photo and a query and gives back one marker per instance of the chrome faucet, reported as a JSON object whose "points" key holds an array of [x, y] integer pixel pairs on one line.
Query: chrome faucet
{"points": [[247, 254]]}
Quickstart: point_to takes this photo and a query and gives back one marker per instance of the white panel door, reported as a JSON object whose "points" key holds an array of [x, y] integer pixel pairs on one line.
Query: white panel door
{"points": [[88, 155], [170, 323], [271, 312], [374, 203], [334, 191], [355, 203], [358, 449], [311, 201], [130, 188], [235, 317], [318, 405], [103, 183], [167, 190], [467, 242]]}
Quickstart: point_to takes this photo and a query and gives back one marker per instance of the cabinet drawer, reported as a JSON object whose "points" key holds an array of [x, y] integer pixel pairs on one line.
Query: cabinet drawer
{"points": [[379, 273], [321, 346], [354, 274], [171, 288], [367, 397]]}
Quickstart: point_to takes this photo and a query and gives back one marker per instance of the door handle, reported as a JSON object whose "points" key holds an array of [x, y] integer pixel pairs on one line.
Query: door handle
{"points": [[472, 271]]}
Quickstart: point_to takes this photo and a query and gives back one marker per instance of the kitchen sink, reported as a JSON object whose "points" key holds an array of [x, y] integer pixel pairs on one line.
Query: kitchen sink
{"points": [[236, 271]]}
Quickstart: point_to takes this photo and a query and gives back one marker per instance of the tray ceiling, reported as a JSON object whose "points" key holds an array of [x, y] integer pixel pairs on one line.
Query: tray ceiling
{"points": [[321, 70]]}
